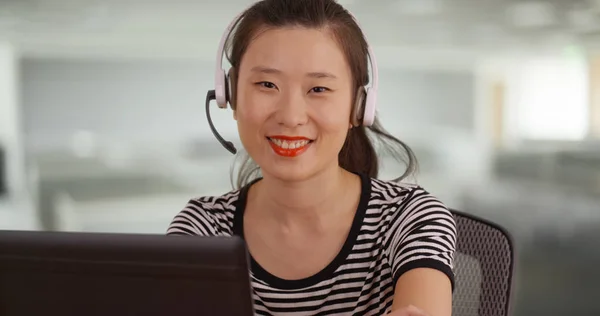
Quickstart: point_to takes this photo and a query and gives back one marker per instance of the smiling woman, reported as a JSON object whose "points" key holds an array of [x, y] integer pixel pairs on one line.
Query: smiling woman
{"points": [[281, 86], [325, 236]]}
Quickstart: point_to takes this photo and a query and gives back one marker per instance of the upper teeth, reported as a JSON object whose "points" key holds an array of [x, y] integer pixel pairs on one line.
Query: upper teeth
{"points": [[287, 144]]}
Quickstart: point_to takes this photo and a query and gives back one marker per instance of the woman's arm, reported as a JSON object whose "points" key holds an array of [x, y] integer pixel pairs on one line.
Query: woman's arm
{"points": [[421, 246], [427, 289]]}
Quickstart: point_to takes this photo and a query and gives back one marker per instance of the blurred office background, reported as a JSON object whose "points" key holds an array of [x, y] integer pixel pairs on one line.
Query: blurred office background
{"points": [[102, 123]]}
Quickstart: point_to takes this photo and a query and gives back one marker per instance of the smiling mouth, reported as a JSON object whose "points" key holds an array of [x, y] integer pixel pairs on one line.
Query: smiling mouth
{"points": [[289, 146]]}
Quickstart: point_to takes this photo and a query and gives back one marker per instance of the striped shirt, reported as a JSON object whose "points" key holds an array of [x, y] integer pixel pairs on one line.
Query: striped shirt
{"points": [[396, 228]]}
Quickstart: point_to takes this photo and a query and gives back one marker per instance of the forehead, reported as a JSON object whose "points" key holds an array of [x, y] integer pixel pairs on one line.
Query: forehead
{"points": [[296, 50]]}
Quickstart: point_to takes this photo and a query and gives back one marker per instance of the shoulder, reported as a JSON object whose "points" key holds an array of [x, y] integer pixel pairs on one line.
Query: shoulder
{"points": [[420, 231], [389, 192], [206, 215], [406, 202]]}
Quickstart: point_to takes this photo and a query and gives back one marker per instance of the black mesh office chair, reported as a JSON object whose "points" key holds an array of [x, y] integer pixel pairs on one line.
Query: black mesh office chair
{"points": [[484, 266]]}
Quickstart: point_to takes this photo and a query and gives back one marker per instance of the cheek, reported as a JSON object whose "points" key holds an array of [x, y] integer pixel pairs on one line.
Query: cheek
{"points": [[333, 125], [249, 122], [249, 126], [334, 119], [248, 111]]}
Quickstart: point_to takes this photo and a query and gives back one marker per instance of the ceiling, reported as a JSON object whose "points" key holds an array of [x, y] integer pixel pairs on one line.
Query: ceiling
{"points": [[444, 29]]}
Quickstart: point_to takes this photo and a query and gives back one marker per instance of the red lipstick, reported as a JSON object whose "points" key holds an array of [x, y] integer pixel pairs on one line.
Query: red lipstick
{"points": [[289, 146]]}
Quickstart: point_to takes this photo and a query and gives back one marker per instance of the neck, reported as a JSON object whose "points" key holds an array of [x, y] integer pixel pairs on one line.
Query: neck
{"points": [[309, 201]]}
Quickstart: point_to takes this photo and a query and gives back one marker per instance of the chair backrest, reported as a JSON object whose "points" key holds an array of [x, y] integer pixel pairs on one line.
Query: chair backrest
{"points": [[484, 267]]}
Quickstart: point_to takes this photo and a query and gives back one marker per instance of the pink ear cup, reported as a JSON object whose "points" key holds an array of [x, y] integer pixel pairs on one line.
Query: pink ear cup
{"points": [[221, 89], [370, 107]]}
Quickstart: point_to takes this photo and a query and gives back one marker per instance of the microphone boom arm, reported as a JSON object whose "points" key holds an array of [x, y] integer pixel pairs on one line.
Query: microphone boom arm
{"points": [[227, 144]]}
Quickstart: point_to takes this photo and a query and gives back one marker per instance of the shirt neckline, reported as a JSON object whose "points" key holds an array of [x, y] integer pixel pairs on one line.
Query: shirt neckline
{"points": [[325, 273]]}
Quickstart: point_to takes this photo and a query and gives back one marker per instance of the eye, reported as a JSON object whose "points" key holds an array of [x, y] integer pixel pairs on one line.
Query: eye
{"points": [[319, 89], [266, 84]]}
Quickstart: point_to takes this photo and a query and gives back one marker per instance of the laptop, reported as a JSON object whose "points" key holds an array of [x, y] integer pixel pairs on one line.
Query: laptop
{"points": [[74, 274]]}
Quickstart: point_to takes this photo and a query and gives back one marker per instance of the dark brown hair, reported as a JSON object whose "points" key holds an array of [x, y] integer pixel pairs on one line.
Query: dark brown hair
{"points": [[359, 152]]}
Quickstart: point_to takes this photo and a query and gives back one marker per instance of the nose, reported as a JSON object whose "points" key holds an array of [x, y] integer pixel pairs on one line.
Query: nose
{"points": [[292, 111]]}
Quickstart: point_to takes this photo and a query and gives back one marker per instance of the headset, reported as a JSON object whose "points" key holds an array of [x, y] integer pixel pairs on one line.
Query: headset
{"points": [[363, 112]]}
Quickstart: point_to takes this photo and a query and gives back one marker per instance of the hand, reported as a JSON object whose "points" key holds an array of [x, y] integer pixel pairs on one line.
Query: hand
{"points": [[408, 311]]}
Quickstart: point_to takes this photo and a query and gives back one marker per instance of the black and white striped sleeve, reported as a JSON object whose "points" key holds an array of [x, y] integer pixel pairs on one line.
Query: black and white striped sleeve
{"points": [[422, 235], [194, 219]]}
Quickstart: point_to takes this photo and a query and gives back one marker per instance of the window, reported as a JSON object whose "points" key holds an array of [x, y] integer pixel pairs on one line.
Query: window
{"points": [[549, 100]]}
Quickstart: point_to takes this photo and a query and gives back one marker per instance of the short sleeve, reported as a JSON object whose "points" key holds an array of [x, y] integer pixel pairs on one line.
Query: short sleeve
{"points": [[196, 219], [422, 235]]}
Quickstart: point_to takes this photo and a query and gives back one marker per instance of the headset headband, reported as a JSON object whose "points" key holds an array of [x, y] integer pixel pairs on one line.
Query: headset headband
{"points": [[221, 82]]}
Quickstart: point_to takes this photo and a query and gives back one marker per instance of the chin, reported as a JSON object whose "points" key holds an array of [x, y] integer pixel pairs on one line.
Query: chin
{"points": [[288, 172]]}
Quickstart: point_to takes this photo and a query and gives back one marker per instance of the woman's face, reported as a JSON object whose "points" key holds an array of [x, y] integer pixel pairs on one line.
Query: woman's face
{"points": [[294, 95]]}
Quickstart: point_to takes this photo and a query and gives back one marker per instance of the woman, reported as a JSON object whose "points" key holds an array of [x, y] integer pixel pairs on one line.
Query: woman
{"points": [[325, 236]]}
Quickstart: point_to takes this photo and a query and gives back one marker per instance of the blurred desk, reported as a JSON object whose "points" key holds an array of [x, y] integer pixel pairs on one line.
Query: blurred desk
{"points": [[93, 195], [126, 203]]}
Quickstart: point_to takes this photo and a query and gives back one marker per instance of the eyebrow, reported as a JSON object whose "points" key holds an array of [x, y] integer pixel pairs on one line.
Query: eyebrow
{"points": [[318, 74], [321, 75], [265, 70]]}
